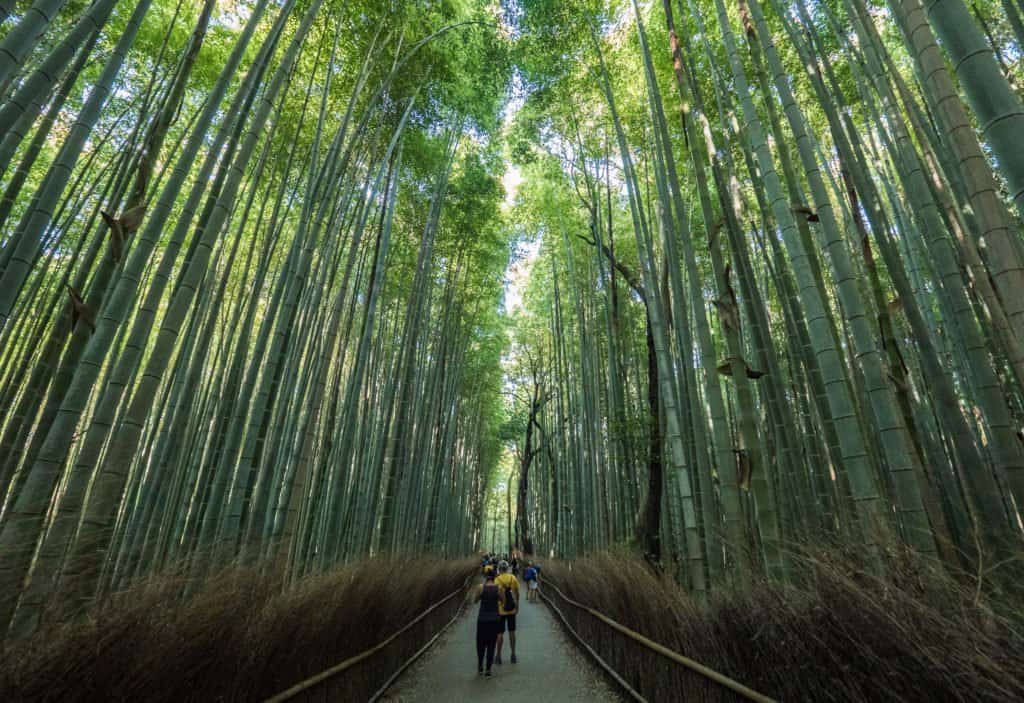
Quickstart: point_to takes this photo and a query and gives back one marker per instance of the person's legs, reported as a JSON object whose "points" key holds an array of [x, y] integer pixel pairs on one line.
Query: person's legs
{"points": [[492, 638], [512, 636], [482, 634], [499, 640]]}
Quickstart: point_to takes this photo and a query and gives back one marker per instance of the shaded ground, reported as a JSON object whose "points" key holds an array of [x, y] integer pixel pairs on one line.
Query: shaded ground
{"points": [[550, 668]]}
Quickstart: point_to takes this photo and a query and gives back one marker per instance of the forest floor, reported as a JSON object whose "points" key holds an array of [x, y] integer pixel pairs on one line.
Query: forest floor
{"points": [[550, 667]]}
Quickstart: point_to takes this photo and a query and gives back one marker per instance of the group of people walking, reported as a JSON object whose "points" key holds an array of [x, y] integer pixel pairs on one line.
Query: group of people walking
{"points": [[498, 596]]}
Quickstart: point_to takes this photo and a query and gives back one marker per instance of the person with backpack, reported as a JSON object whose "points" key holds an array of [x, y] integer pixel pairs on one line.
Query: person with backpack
{"points": [[508, 607], [488, 620], [530, 576]]}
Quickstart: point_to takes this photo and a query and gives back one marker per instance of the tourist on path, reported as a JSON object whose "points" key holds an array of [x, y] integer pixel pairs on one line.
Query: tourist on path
{"points": [[487, 622], [508, 606], [530, 576]]}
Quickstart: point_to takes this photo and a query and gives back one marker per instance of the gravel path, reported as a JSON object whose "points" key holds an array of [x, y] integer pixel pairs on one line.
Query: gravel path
{"points": [[550, 668]]}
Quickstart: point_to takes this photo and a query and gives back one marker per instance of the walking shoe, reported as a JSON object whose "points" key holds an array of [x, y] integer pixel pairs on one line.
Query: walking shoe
{"points": [[487, 675], [479, 672], [513, 658]]}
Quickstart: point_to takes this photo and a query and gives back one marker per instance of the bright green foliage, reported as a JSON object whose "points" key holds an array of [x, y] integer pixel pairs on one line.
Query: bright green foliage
{"points": [[220, 366], [746, 214]]}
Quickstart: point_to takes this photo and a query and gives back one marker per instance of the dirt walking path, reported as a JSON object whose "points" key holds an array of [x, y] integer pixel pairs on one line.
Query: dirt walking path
{"points": [[550, 668]]}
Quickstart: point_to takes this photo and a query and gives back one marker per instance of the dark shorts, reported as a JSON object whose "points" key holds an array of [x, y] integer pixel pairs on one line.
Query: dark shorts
{"points": [[508, 622]]}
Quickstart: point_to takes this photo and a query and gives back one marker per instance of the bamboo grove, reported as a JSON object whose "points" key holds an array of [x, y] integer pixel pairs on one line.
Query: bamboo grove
{"points": [[251, 265], [253, 305], [777, 294]]}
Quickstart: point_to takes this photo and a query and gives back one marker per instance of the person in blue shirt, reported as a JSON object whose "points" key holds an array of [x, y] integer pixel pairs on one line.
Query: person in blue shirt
{"points": [[530, 576]]}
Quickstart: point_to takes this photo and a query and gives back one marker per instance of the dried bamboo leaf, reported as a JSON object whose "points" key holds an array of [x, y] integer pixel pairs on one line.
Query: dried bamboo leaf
{"points": [[743, 468], [116, 235], [725, 368], [727, 313], [132, 218], [811, 215], [898, 382], [80, 310]]}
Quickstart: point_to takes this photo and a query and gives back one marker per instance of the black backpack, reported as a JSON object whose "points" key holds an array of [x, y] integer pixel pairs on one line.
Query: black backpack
{"points": [[510, 600]]}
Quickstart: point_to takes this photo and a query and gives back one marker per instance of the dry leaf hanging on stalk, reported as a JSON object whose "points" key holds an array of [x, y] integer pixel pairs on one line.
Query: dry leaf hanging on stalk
{"points": [[122, 226], [716, 228], [79, 310], [142, 175], [116, 235], [748, 24], [725, 368], [728, 311], [898, 382], [811, 215], [743, 468]]}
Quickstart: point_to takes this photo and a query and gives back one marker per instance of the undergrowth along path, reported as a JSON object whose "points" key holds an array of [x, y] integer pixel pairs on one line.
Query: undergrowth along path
{"points": [[550, 668]]}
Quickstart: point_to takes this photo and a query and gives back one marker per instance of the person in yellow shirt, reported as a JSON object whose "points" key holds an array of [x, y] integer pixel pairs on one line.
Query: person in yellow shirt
{"points": [[508, 607]]}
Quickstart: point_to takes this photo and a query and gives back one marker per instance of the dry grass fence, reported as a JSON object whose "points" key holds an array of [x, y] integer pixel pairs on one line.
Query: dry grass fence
{"points": [[239, 637], [836, 634]]}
